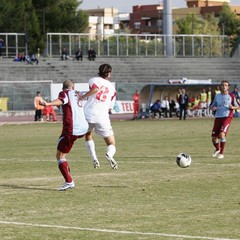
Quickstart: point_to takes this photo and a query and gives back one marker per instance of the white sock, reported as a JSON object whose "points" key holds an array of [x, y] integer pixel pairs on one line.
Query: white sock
{"points": [[91, 149], [111, 150]]}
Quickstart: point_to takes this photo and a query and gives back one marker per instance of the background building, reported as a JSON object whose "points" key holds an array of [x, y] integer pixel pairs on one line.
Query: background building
{"points": [[102, 21], [148, 18]]}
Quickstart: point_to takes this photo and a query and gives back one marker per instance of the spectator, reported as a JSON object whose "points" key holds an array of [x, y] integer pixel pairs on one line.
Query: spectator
{"points": [[178, 94], [18, 58], [183, 104], [172, 107], [209, 101], [49, 113], [38, 107], [196, 104], [1, 45], [27, 59], [79, 55], [236, 93], [216, 91], [156, 108], [136, 101], [34, 59], [65, 55], [91, 54], [165, 106], [203, 103]]}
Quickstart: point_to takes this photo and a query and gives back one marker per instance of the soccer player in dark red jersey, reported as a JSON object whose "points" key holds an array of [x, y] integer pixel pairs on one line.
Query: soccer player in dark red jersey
{"points": [[74, 126]]}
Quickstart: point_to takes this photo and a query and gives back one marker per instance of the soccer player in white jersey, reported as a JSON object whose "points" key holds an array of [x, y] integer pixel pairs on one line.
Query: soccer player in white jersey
{"points": [[75, 126], [223, 105], [100, 99]]}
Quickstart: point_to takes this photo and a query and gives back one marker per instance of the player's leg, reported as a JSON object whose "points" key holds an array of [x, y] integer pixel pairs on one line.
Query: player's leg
{"points": [[222, 138], [216, 144], [64, 146], [105, 131], [111, 150], [90, 145], [215, 137], [223, 133]]}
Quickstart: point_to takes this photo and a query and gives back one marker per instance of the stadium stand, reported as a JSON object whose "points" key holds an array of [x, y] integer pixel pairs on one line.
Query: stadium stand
{"points": [[129, 73]]}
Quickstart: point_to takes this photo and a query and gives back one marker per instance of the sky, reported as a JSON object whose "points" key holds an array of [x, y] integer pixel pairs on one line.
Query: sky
{"points": [[126, 5]]}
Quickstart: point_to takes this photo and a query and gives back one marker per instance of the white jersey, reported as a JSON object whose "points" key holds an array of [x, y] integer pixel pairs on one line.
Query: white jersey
{"points": [[98, 105]]}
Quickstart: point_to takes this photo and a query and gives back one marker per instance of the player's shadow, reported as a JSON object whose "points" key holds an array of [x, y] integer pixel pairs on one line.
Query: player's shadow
{"points": [[12, 186]]}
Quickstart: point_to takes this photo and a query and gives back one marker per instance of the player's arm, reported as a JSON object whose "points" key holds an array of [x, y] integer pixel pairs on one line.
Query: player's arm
{"points": [[213, 105], [91, 92], [56, 102], [234, 105]]}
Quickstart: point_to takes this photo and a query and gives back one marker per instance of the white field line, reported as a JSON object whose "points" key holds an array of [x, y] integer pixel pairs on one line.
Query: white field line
{"points": [[112, 231]]}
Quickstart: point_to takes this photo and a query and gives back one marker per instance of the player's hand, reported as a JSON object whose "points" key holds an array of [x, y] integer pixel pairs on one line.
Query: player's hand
{"points": [[213, 108], [77, 93], [43, 103], [232, 107]]}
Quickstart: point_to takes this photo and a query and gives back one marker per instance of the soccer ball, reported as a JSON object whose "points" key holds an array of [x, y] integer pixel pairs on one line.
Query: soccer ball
{"points": [[183, 160]]}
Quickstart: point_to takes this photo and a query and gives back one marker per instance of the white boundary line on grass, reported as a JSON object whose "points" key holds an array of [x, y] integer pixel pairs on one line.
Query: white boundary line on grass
{"points": [[112, 231]]}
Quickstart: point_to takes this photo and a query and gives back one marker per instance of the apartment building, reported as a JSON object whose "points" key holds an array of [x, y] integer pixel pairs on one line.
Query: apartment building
{"points": [[148, 19]]}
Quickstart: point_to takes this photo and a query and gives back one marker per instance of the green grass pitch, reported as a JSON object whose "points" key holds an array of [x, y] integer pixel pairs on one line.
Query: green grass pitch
{"points": [[148, 197]]}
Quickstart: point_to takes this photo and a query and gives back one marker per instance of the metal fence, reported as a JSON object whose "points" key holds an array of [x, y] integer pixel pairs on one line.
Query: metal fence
{"points": [[13, 43], [127, 45]]}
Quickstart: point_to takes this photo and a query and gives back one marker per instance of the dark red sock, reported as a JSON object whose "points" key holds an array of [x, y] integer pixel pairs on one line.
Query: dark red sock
{"points": [[65, 170]]}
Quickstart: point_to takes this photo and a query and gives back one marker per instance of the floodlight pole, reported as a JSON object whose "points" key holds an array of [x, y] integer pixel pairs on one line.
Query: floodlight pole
{"points": [[167, 25]]}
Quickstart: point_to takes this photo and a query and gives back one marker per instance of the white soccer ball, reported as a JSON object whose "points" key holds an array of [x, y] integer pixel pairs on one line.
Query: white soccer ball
{"points": [[183, 160]]}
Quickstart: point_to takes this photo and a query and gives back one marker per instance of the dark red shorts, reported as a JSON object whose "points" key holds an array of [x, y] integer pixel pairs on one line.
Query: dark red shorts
{"points": [[221, 125], [65, 143]]}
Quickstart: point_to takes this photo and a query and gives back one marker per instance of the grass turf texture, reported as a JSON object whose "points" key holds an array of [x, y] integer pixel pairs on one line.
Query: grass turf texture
{"points": [[149, 193]]}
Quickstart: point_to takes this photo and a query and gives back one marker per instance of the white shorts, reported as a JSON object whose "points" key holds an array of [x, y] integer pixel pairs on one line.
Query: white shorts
{"points": [[102, 129]]}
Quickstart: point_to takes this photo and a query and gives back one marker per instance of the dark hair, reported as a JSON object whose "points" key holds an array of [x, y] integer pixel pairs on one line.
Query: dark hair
{"points": [[104, 70], [225, 81]]}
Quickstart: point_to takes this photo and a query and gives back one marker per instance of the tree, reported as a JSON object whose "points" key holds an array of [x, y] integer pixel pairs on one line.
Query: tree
{"points": [[61, 16], [228, 21], [37, 17], [20, 16], [193, 24]]}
